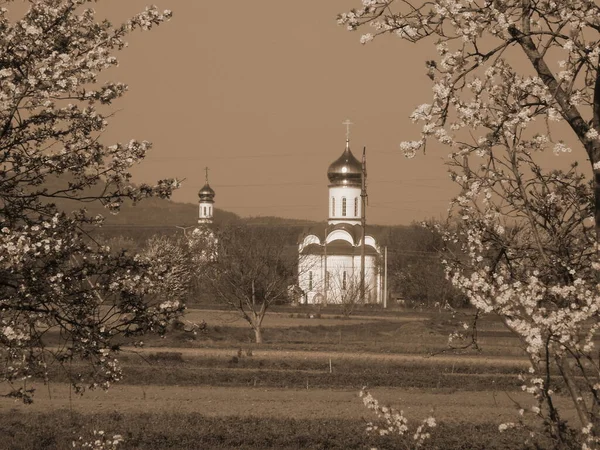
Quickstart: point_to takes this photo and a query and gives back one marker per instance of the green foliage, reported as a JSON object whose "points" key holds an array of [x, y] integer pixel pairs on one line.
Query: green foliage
{"points": [[296, 374], [165, 357], [415, 272], [157, 431], [398, 340]]}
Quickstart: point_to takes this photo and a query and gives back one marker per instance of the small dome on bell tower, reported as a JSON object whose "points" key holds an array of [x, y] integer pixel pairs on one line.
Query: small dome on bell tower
{"points": [[207, 194]]}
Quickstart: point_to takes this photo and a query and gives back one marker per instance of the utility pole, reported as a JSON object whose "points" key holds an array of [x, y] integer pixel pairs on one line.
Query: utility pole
{"points": [[385, 277], [326, 278], [363, 222]]}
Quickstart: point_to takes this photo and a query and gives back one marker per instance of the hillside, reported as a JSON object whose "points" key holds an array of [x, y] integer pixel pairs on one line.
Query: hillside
{"points": [[156, 212], [278, 221], [152, 212]]}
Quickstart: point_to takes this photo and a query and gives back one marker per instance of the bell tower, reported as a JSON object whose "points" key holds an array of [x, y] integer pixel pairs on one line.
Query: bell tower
{"points": [[206, 202]]}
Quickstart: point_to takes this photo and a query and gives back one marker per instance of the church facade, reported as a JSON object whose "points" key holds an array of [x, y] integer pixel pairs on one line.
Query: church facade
{"points": [[329, 264]]}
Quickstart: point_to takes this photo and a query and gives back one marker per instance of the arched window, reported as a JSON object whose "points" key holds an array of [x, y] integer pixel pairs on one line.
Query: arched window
{"points": [[344, 280], [344, 206], [210, 210], [332, 206], [204, 210], [356, 206], [310, 281]]}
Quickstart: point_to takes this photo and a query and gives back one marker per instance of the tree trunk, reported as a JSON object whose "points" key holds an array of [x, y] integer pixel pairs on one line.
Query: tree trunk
{"points": [[258, 335], [576, 396], [593, 151], [569, 111], [597, 207]]}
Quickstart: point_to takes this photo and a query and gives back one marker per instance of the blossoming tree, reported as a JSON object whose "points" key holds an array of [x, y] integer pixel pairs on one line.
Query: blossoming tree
{"points": [[64, 299], [392, 422], [181, 261], [529, 234]]}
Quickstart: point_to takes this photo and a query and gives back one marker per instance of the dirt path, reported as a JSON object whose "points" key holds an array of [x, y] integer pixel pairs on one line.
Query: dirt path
{"points": [[283, 320], [476, 407], [475, 360]]}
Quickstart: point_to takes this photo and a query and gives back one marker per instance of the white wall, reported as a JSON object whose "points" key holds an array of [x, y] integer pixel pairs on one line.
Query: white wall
{"points": [[338, 193], [336, 265], [205, 211], [307, 265]]}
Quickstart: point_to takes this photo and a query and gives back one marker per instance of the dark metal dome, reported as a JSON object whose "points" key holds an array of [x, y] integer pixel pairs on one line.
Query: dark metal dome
{"points": [[346, 170], [206, 194]]}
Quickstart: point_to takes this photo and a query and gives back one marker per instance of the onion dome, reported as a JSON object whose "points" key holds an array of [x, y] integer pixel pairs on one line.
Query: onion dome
{"points": [[346, 170], [207, 194]]}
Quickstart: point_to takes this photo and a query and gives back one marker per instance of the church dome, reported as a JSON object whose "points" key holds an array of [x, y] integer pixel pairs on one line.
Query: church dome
{"points": [[206, 194], [346, 170]]}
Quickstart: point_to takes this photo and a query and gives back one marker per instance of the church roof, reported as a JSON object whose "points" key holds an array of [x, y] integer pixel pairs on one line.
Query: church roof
{"points": [[337, 244], [319, 230], [346, 170], [206, 194], [338, 247]]}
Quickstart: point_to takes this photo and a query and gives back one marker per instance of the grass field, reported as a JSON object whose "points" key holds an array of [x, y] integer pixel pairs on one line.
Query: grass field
{"points": [[297, 390]]}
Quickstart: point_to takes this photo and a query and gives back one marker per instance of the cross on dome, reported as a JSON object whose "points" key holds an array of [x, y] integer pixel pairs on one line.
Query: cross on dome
{"points": [[347, 123]]}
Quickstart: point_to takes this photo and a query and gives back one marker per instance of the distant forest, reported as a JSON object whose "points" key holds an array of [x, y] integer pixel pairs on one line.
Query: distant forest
{"points": [[416, 276]]}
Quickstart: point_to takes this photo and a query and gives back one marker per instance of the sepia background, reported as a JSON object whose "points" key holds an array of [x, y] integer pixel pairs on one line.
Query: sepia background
{"points": [[258, 92]]}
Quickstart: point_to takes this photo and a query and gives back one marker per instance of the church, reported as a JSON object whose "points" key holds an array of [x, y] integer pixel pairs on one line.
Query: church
{"points": [[330, 255]]}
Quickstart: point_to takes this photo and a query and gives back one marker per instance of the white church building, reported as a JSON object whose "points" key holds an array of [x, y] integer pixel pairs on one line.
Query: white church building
{"points": [[329, 264]]}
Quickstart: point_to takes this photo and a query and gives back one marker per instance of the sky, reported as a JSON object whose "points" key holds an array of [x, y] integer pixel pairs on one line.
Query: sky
{"points": [[258, 90]]}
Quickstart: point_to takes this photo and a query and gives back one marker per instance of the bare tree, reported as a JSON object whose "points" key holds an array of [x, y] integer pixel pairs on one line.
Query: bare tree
{"points": [[253, 268], [345, 291]]}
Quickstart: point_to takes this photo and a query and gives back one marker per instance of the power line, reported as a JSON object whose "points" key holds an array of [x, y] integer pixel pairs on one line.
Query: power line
{"points": [[377, 205], [407, 209], [419, 252], [218, 186], [245, 156], [405, 182], [275, 206], [300, 154], [395, 202]]}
